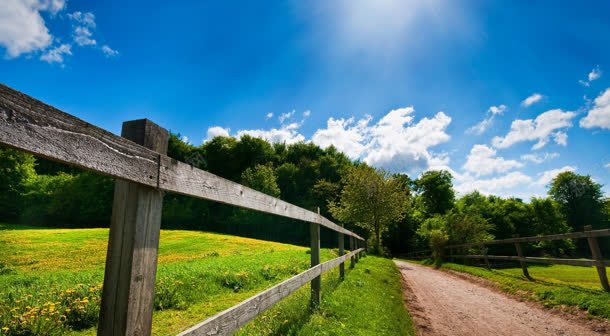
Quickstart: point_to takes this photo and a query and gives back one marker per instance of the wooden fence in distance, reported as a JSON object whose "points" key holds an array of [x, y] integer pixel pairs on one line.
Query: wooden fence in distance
{"points": [[591, 236], [143, 173]]}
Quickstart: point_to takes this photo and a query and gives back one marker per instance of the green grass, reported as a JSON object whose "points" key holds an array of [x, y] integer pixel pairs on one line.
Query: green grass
{"points": [[367, 302], [553, 285], [50, 279]]}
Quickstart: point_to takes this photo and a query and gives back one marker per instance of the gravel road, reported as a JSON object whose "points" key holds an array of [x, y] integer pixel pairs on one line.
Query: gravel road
{"points": [[443, 304]]}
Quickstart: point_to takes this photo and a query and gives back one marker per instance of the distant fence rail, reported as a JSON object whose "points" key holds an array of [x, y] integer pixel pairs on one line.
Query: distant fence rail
{"points": [[592, 236], [143, 170]]}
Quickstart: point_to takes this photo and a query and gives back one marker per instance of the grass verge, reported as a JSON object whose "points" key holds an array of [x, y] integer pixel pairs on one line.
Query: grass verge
{"points": [[50, 284], [553, 285], [368, 302]]}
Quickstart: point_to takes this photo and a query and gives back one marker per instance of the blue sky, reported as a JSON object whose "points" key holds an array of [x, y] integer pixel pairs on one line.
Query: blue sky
{"points": [[505, 94]]}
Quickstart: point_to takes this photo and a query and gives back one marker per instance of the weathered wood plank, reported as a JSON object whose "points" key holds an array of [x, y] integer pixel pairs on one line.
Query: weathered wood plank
{"points": [[571, 235], [559, 261], [316, 282], [131, 262], [179, 177], [599, 262], [341, 253], [32, 126], [228, 321]]}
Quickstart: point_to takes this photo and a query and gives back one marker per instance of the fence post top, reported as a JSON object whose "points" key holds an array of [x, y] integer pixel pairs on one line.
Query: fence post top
{"points": [[146, 133]]}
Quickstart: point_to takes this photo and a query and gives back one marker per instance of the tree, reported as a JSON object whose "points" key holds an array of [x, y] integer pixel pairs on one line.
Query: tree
{"points": [[261, 178], [434, 231], [372, 200], [436, 191], [580, 199], [16, 169]]}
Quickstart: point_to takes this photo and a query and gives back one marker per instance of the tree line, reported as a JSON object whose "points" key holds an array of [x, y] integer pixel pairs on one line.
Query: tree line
{"points": [[395, 212]]}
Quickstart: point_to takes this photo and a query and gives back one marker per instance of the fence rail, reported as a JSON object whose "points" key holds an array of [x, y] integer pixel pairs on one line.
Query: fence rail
{"points": [[138, 160], [591, 236]]}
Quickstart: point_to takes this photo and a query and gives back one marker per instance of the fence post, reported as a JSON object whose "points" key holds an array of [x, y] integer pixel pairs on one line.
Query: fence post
{"points": [[526, 273], [131, 262], [314, 232], [341, 253], [451, 255], [351, 248], [599, 262], [357, 255], [484, 250]]}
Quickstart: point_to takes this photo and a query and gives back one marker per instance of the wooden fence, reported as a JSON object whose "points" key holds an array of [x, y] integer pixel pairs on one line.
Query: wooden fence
{"points": [[143, 173], [591, 235]]}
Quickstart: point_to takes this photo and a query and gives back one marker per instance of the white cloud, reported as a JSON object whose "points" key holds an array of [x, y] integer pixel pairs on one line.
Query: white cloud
{"points": [[482, 126], [399, 145], [607, 165], [346, 135], [545, 177], [533, 99], [540, 129], [596, 73], [285, 116], [56, 55], [86, 19], [505, 185], [599, 115], [217, 131], [109, 52], [22, 28], [482, 160], [269, 115], [185, 139], [286, 134], [539, 158], [306, 114], [82, 36]]}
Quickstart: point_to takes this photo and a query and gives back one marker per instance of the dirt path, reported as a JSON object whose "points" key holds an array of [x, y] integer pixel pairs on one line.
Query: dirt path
{"points": [[442, 304]]}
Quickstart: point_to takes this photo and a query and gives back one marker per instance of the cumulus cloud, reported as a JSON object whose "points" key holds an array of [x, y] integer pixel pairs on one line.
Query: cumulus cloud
{"points": [[547, 176], [482, 126], [56, 55], [539, 158], [217, 131], [347, 135], [503, 185], [607, 165], [269, 115], [306, 114], [482, 160], [395, 143], [286, 134], [547, 124], [22, 28], [599, 115], [531, 100]]}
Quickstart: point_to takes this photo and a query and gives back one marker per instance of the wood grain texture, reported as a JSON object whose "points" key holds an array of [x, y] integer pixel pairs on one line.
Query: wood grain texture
{"points": [[571, 235], [131, 262], [558, 261], [316, 282], [179, 177], [230, 320], [32, 126]]}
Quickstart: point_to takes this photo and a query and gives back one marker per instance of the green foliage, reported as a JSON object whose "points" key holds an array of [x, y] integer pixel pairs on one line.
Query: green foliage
{"points": [[372, 200], [16, 169], [434, 230], [580, 199], [436, 191], [261, 178]]}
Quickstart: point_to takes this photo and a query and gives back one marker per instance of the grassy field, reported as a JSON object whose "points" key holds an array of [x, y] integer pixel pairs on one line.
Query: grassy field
{"points": [[50, 282], [553, 285]]}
